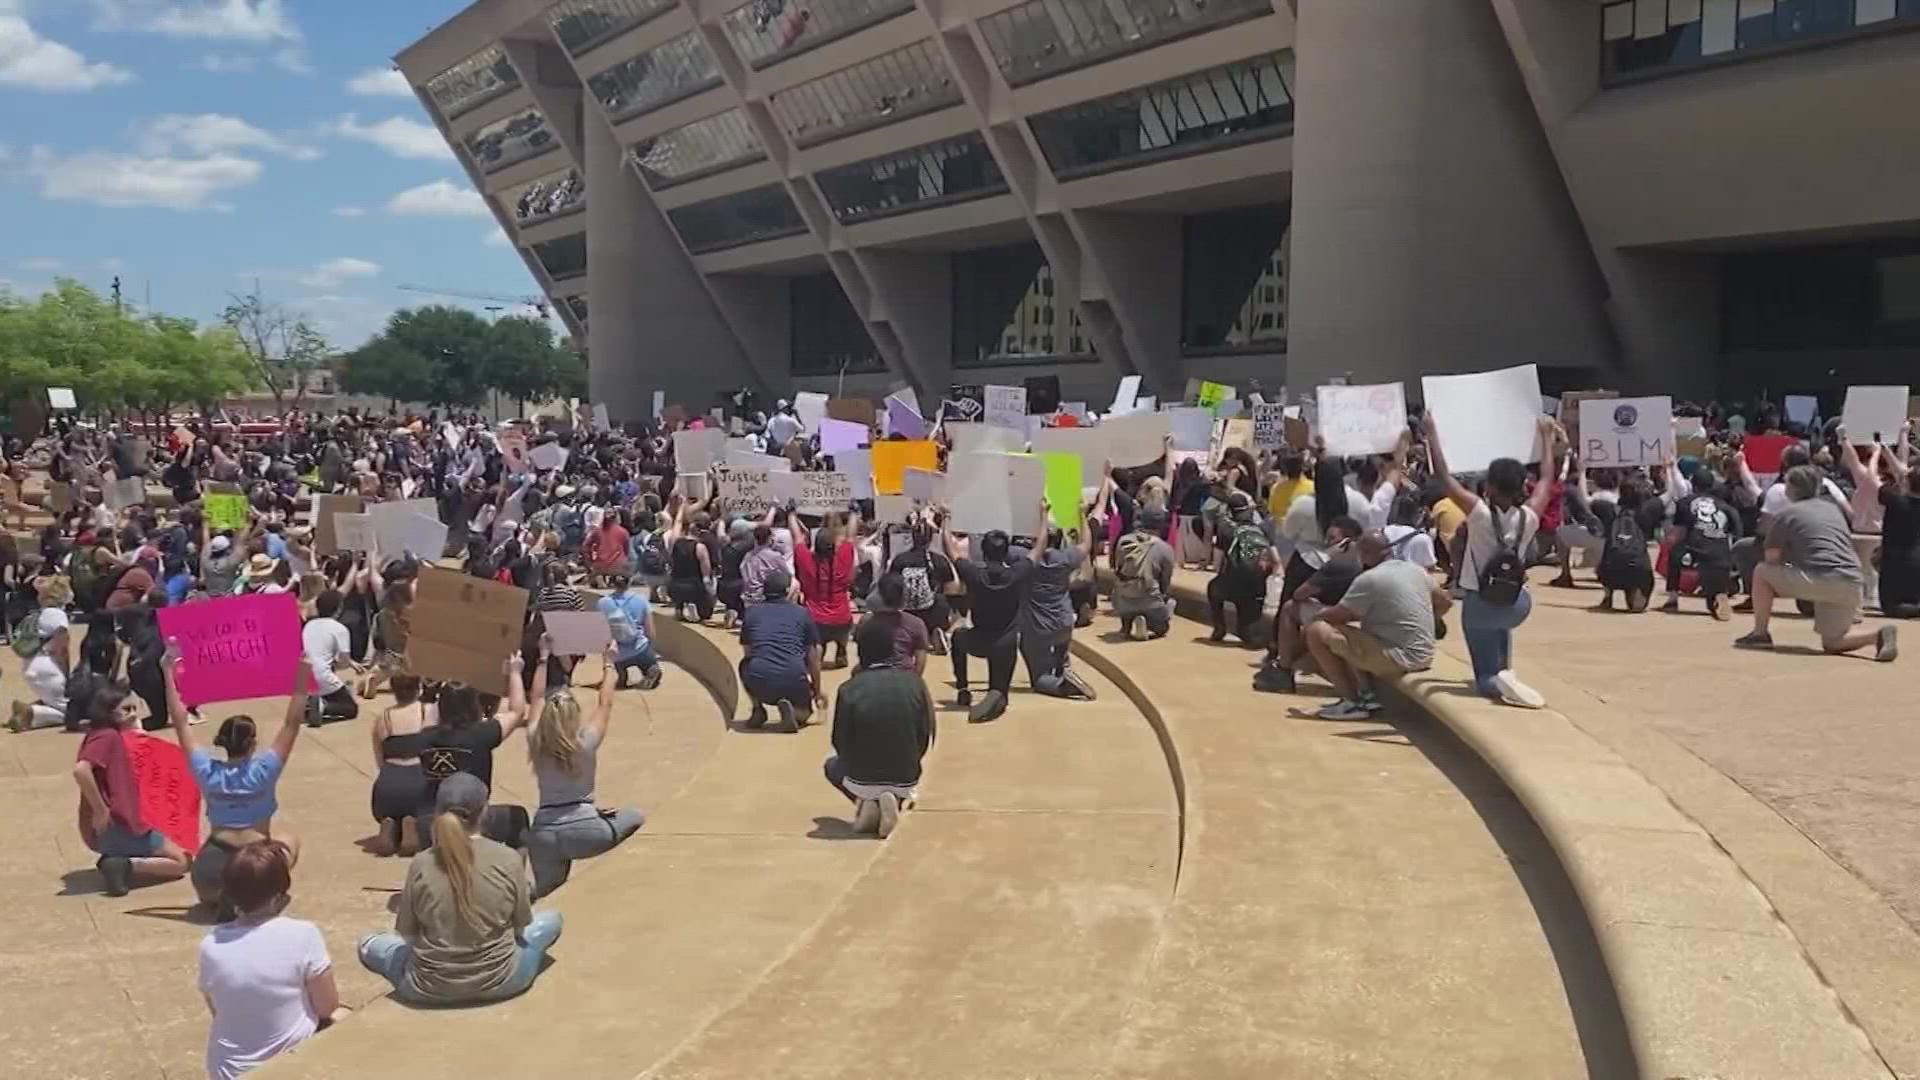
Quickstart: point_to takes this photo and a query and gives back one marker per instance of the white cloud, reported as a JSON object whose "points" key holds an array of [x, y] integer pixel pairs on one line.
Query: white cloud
{"points": [[260, 21], [36, 63], [113, 179], [41, 264], [293, 60], [219, 64], [336, 272], [380, 82], [349, 211], [212, 133], [442, 198], [396, 135], [497, 238], [347, 321]]}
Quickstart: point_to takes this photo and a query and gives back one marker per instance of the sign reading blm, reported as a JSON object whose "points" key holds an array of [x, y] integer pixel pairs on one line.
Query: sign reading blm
{"points": [[1625, 432]]}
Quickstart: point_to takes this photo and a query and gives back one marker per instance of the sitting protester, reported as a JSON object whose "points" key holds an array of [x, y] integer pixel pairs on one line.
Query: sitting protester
{"points": [[563, 744], [883, 725], [1809, 555], [1321, 590], [1382, 626], [399, 784], [111, 823], [44, 641]]}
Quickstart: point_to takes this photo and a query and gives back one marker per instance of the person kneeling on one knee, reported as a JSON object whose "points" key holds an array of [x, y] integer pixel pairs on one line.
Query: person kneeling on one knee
{"points": [[1809, 556], [883, 726]]}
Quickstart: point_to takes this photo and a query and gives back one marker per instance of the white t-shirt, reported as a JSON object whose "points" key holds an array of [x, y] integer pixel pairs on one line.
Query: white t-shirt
{"points": [[255, 974], [325, 641], [1776, 499], [1411, 545], [1517, 525]]}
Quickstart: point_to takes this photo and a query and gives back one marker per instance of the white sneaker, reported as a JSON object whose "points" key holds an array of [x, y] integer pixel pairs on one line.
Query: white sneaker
{"points": [[866, 819], [889, 814], [1516, 693]]}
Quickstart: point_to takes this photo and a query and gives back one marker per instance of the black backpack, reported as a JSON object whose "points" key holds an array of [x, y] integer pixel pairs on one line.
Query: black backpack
{"points": [[1626, 549], [1504, 577]]}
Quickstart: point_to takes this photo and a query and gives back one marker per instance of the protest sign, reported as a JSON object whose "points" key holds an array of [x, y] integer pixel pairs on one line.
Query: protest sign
{"points": [[601, 420], [838, 435], [577, 633], [904, 419], [1212, 395], [236, 647], [1123, 398], [693, 485], [1763, 452], [969, 438], [814, 492], [125, 492], [169, 797], [923, 485], [1075, 411], [1139, 438], [464, 628], [418, 535], [751, 487], [1874, 414], [698, 451], [1269, 427], [354, 532], [1191, 427], [749, 459], [225, 511], [1236, 431], [810, 408], [858, 467], [1800, 408], [513, 449], [548, 456], [401, 508], [1359, 420], [855, 410], [892, 509], [659, 404], [1090, 445], [892, 458], [1486, 415], [1043, 394], [1007, 407], [61, 397], [996, 491], [1063, 489], [1569, 411], [965, 401], [908, 396], [1625, 432]]}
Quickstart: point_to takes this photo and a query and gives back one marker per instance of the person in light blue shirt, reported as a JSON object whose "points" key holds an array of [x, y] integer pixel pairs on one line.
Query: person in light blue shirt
{"points": [[240, 791], [178, 582], [630, 619]]}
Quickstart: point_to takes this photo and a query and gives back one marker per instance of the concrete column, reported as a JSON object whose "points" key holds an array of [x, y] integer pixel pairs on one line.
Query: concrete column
{"points": [[1431, 228], [652, 325]]}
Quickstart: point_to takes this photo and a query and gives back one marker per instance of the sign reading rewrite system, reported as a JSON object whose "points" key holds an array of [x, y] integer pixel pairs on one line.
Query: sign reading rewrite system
{"points": [[235, 648]]}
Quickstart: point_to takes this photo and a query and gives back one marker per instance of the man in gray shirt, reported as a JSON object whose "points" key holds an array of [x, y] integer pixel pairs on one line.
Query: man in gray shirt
{"points": [[1382, 626], [1144, 572], [1810, 556], [1046, 622]]}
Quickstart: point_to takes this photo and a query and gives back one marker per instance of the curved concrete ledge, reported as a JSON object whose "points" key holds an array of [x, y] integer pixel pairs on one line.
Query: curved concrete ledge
{"points": [[685, 646], [1710, 981], [1157, 720]]}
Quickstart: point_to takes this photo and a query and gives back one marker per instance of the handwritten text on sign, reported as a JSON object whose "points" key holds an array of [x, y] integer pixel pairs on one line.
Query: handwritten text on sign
{"points": [[1357, 420], [1625, 432], [235, 648], [749, 486]]}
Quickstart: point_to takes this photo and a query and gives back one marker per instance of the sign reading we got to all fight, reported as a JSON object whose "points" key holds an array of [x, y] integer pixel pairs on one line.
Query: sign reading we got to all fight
{"points": [[235, 648]]}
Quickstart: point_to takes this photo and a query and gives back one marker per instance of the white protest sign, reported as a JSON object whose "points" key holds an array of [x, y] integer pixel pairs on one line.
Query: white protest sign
{"points": [[810, 408], [354, 532], [1124, 397], [1486, 415], [969, 438], [1801, 408], [1007, 407], [858, 467], [1137, 439], [923, 486], [659, 403], [61, 397], [129, 491], [693, 485], [819, 492], [698, 451], [453, 433], [418, 535], [601, 420], [1625, 432], [548, 456], [1089, 443], [513, 447], [1191, 427], [748, 459], [1874, 414], [892, 509], [753, 487], [996, 491], [1269, 426], [1360, 420], [577, 633]]}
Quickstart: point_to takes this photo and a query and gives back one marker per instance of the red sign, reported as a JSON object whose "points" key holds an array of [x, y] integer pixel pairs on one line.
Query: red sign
{"points": [[1764, 451], [169, 799]]}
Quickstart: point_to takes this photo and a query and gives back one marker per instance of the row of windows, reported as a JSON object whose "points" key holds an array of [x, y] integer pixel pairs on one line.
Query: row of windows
{"points": [[1247, 99], [563, 257], [1646, 35], [704, 146], [673, 70], [890, 87], [510, 139], [472, 82], [766, 31], [935, 174], [1045, 37], [551, 195], [582, 24], [745, 217]]}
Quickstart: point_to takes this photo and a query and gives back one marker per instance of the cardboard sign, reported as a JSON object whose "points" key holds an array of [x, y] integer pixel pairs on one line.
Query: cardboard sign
{"points": [[1192, 428], [1090, 445], [61, 397], [854, 410], [236, 647], [892, 458], [996, 491], [1568, 412], [169, 798], [751, 487], [548, 456], [129, 491], [1063, 489], [698, 451], [418, 535], [577, 633], [326, 541], [970, 438], [354, 532], [857, 465], [923, 486], [465, 628], [1006, 408], [1139, 438], [1234, 432], [1124, 397], [1874, 414], [225, 511], [513, 448], [838, 435], [819, 492], [1486, 415], [1625, 432], [1359, 420], [1763, 452], [1269, 427]]}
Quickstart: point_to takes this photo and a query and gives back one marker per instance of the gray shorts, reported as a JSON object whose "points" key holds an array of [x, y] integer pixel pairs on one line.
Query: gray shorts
{"points": [[1835, 600]]}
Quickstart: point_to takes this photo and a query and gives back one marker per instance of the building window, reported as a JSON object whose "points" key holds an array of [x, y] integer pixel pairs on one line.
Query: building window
{"points": [[1853, 296], [582, 24], [745, 217], [933, 175], [1046, 37], [1641, 36], [666, 73], [1233, 280], [698, 149], [552, 195], [894, 86], [828, 336], [511, 139], [768, 31], [1195, 113], [473, 82], [1002, 314], [563, 258]]}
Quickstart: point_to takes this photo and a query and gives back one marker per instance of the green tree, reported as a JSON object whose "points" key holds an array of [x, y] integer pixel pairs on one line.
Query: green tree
{"points": [[385, 368], [282, 347], [524, 362]]}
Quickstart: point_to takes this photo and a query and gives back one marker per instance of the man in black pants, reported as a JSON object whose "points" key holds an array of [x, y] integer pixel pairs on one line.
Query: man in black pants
{"points": [[1246, 558], [996, 592]]}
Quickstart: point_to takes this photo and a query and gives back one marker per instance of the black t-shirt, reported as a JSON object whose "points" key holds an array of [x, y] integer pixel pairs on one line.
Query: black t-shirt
{"points": [[938, 568], [995, 592], [1330, 582], [448, 750], [1712, 525], [1900, 533]]}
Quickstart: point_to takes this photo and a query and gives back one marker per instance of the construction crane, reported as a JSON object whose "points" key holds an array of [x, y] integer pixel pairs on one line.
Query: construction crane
{"points": [[537, 303]]}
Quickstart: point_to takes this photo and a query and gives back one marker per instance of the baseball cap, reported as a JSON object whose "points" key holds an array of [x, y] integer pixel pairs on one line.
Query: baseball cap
{"points": [[219, 545]]}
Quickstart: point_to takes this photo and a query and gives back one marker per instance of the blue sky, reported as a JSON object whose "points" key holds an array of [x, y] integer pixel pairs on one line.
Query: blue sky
{"points": [[192, 145]]}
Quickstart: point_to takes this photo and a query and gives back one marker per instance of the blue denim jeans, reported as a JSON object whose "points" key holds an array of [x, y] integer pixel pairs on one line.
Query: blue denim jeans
{"points": [[390, 956], [1489, 632]]}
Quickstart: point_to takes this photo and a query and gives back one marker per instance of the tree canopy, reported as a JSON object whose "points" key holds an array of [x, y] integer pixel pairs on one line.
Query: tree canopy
{"points": [[450, 356]]}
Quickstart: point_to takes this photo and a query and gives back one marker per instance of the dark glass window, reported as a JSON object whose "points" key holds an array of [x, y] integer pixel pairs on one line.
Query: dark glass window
{"points": [[932, 175], [665, 73], [1233, 279], [1194, 113], [767, 31], [582, 24], [698, 149], [742, 218], [511, 139], [1046, 37], [473, 82], [564, 257], [1861, 296], [1651, 35], [828, 336], [1003, 314]]}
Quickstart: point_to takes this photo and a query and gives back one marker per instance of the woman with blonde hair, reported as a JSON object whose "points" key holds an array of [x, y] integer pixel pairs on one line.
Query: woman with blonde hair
{"points": [[465, 932], [563, 744]]}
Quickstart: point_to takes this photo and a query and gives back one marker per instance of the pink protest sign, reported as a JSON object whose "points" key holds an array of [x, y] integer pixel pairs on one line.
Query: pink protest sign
{"points": [[236, 648]]}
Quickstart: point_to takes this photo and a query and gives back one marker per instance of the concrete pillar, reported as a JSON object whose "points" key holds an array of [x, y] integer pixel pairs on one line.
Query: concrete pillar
{"points": [[652, 325], [1431, 228]]}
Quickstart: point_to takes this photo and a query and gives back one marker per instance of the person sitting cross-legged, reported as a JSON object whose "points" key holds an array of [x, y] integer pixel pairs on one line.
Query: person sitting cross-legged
{"points": [[883, 726], [1382, 626]]}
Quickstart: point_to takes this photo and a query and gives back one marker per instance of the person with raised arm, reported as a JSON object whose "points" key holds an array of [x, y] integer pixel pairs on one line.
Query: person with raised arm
{"points": [[563, 745]]}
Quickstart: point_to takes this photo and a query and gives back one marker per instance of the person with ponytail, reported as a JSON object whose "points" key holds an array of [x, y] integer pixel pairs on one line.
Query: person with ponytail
{"points": [[465, 932], [823, 562], [239, 792], [563, 745]]}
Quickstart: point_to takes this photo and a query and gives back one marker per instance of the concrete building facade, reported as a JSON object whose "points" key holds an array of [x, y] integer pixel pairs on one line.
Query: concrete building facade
{"points": [[851, 195]]}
